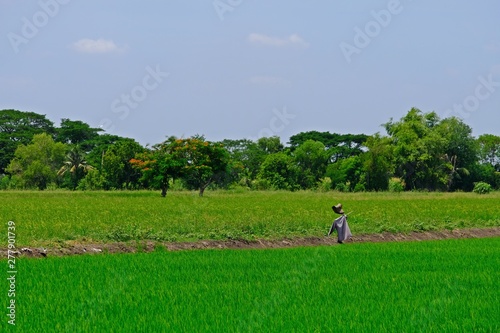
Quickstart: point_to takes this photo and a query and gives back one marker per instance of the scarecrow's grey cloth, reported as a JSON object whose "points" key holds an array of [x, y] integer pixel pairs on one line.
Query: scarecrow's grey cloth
{"points": [[343, 231]]}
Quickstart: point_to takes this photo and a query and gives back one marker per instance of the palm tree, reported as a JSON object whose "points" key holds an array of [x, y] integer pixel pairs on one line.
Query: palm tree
{"points": [[454, 171], [76, 164]]}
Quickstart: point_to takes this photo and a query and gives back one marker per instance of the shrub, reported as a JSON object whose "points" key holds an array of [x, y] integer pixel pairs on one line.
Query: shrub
{"points": [[396, 185], [93, 180], [360, 187], [261, 184], [4, 182], [482, 188], [325, 184], [343, 187]]}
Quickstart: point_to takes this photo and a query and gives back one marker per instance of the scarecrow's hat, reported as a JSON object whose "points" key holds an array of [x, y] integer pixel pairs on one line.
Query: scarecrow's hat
{"points": [[338, 209]]}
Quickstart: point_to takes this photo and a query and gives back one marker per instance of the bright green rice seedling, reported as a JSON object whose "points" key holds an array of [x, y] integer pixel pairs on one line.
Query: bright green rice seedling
{"points": [[438, 286]]}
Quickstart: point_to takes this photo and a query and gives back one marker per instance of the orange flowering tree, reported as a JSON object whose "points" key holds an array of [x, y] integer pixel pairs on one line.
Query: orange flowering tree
{"points": [[159, 165], [205, 162], [197, 161]]}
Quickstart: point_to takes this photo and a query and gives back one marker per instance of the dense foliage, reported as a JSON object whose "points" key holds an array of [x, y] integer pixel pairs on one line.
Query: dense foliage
{"points": [[419, 152]]}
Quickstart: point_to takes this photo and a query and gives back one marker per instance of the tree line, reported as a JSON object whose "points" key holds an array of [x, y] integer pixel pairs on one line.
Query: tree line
{"points": [[418, 152]]}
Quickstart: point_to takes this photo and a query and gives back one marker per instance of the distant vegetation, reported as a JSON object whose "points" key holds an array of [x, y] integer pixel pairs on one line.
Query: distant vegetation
{"points": [[418, 152]]}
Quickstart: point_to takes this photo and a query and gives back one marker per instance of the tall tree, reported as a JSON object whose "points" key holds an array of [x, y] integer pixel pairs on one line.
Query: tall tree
{"points": [[37, 163], [246, 153], [116, 168], [311, 158], [346, 173], [17, 128], [77, 132], [76, 164], [206, 162], [100, 145], [339, 145], [378, 162], [489, 150], [158, 165], [460, 153], [280, 171], [270, 145], [418, 150]]}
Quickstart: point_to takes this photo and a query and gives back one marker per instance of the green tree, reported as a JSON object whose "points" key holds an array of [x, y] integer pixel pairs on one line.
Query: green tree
{"points": [[280, 171], [346, 173], [205, 162], [78, 133], [100, 145], [17, 128], [37, 163], [116, 168], [311, 157], [246, 157], [339, 145], [159, 166], [453, 170], [460, 153], [378, 162], [489, 150], [270, 145], [76, 164], [418, 150]]}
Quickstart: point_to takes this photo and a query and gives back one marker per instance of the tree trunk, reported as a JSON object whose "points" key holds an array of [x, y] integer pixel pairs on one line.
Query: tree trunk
{"points": [[203, 187]]}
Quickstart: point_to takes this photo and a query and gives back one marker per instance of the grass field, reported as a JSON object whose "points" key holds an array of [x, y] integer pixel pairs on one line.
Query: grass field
{"points": [[50, 217], [433, 286]]}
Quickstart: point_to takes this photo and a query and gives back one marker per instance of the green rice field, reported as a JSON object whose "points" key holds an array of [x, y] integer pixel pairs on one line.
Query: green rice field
{"points": [[45, 218], [432, 286]]}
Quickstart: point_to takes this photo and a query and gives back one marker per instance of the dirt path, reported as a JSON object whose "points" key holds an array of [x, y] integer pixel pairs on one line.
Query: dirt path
{"points": [[148, 246]]}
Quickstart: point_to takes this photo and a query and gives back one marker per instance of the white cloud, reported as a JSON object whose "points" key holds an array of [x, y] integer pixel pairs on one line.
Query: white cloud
{"points": [[269, 81], [292, 40], [100, 45]]}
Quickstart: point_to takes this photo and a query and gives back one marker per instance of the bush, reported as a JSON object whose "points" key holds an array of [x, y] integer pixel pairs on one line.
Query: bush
{"points": [[396, 185], [93, 180], [324, 184], [343, 187], [4, 182], [482, 188], [260, 184], [360, 187]]}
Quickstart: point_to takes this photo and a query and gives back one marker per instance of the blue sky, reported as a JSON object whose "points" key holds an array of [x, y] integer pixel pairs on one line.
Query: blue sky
{"points": [[247, 68]]}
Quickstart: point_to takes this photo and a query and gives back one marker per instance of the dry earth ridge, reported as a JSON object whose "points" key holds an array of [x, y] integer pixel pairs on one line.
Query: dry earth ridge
{"points": [[72, 248]]}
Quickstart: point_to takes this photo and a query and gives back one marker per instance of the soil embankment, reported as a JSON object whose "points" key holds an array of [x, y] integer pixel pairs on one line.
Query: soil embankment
{"points": [[148, 246]]}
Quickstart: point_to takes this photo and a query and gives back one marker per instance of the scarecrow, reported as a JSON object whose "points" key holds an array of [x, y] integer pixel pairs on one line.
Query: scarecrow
{"points": [[340, 224]]}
